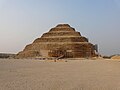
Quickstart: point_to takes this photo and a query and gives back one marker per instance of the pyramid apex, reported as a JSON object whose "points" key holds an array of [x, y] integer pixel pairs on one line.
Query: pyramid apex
{"points": [[63, 26]]}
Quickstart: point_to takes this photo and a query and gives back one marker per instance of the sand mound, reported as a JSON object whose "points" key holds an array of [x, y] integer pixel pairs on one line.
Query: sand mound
{"points": [[116, 57]]}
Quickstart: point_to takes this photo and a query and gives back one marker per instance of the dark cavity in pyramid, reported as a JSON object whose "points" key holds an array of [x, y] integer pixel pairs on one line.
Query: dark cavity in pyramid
{"points": [[60, 41]]}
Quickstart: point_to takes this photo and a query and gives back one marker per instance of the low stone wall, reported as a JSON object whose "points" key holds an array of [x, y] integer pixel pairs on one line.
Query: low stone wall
{"points": [[5, 55]]}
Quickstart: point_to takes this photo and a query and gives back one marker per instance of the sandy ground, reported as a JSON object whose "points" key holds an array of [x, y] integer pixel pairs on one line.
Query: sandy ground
{"points": [[71, 75]]}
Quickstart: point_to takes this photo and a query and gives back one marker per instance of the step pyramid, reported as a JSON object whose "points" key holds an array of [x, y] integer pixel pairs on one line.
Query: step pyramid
{"points": [[60, 41]]}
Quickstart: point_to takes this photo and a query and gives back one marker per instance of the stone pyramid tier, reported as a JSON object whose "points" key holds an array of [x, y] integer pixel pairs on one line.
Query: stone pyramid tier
{"points": [[60, 41]]}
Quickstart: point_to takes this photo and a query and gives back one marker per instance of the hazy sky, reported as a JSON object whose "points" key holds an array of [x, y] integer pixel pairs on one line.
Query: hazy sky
{"points": [[22, 21]]}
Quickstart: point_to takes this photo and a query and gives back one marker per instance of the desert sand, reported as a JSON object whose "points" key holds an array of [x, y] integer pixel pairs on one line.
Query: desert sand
{"points": [[116, 57], [23, 74]]}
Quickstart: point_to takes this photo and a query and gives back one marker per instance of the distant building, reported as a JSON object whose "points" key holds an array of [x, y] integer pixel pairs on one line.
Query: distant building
{"points": [[60, 41]]}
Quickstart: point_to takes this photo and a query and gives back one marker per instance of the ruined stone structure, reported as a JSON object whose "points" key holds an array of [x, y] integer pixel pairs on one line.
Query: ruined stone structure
{"points": [[60, 41]]}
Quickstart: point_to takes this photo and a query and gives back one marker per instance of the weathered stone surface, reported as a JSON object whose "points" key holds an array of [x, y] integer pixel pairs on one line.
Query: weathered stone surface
{"points": [[61, 40]]}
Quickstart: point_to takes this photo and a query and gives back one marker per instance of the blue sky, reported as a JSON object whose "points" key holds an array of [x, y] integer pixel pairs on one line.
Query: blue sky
{"points": [[22, 21]]}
